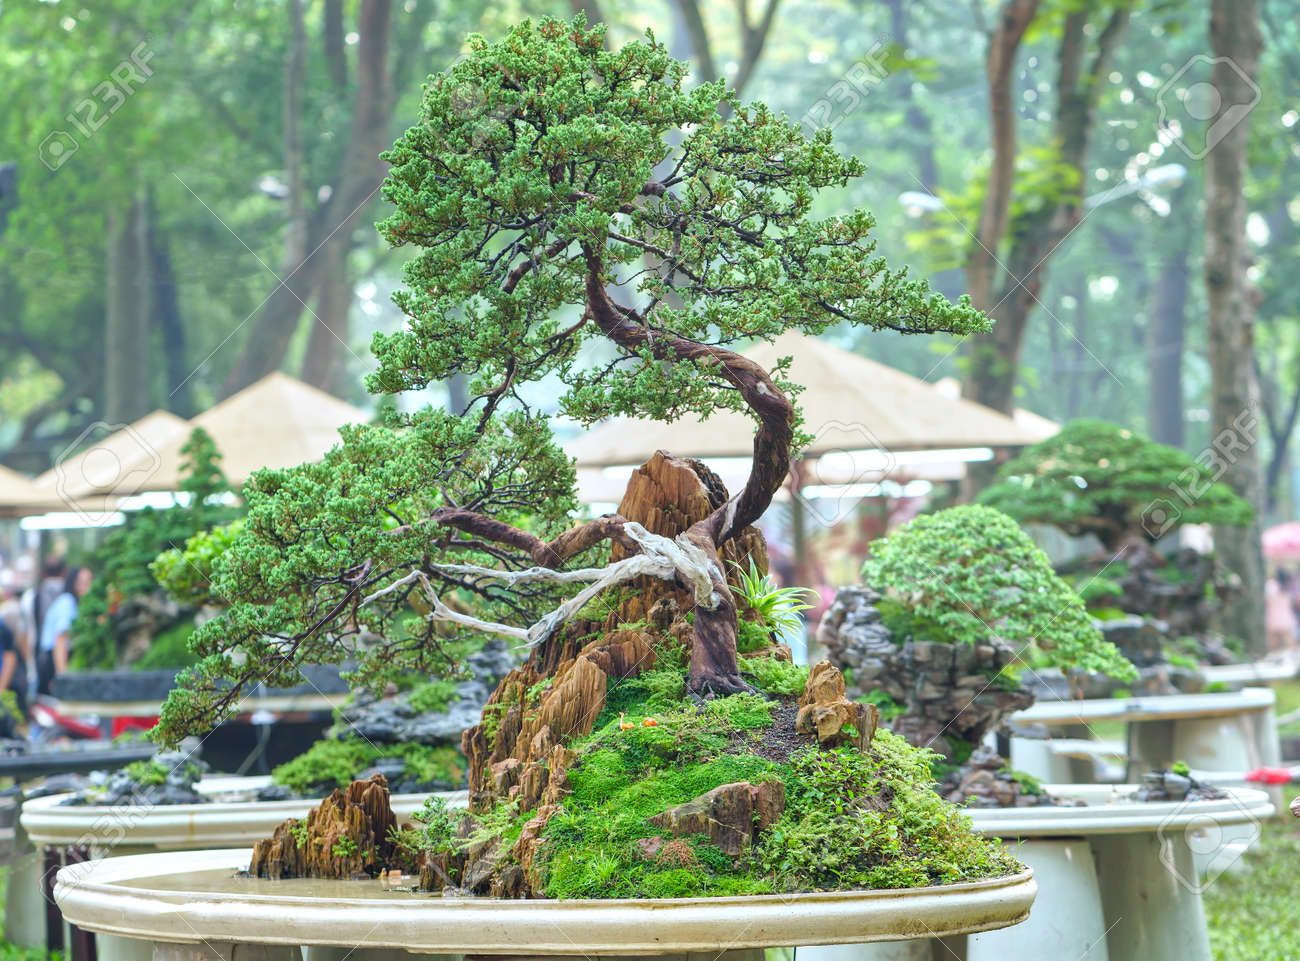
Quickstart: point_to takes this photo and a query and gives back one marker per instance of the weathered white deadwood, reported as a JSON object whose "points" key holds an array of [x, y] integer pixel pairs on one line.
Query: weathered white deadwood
{"points": [[661, 557]]}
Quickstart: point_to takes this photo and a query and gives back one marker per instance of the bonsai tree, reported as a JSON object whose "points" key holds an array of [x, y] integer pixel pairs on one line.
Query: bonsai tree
{"points": [[581, 218], [1097, 478], [125, 618], [970, 575], [955, 602]]}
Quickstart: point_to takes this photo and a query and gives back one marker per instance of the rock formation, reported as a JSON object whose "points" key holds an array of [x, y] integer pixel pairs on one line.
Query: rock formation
{"points": [[729, 815], [946, 690], [825, 711], [345, 836]]}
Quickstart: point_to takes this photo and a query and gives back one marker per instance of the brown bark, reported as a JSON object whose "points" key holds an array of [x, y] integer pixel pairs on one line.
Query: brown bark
{"points": [[753, 38], [1235, 37], [127, 309], [358, 179], [995, 356], [325, 361]]}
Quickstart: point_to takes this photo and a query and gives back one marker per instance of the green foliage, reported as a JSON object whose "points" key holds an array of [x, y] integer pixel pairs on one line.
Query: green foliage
{"points": [[773, 676], [122, 563], [1096, 477], [888, 707], [528, 207], [330, 763], [147, 773], [778, 606], [969, 574], [186, 573], [872, 820], [1028, 783], [171, 648], [344, 847], [433, 697], [1180, 768]]}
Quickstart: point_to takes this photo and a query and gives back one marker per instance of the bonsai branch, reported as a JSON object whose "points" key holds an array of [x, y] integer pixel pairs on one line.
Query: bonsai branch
{"points": [[668, 559]]}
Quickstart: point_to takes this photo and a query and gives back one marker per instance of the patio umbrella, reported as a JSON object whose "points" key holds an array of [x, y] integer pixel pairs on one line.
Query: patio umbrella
{"points": [[1282, 542], [104, 465], [277, 422], [850, 403], [19, 496]]}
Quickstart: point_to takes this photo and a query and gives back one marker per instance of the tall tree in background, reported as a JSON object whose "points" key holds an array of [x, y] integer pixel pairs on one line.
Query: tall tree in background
{"points": [[1007, 287], [1234, 402]]}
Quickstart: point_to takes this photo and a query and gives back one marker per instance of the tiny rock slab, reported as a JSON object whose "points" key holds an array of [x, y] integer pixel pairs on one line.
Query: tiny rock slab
{"points": [[730, 815]]}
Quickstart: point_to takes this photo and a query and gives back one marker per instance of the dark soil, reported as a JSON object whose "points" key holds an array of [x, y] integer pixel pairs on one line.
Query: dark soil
{"points": [[777, 742]]}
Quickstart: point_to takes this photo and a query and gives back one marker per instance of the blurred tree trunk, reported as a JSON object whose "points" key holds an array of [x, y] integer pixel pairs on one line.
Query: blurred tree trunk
{"points": [[357, 180], [753, 38], [1234, 404], [1166, 334], [128, 306], [328, 348], [995, 356], [168, 320]]}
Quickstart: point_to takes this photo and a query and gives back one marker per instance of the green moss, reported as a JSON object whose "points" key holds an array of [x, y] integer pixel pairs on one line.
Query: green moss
{"points": [[147, 773], [752, 636], [433, 697], [330, 763], [773, 676], [1028, 783]]}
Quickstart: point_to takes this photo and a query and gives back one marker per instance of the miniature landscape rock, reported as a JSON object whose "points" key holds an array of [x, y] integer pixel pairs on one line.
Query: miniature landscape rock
{"points": [[944, 689], [346, 836]]}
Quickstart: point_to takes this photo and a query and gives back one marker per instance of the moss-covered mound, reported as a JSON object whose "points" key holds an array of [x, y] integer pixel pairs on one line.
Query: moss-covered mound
{"points": [[667, 797], [335, 763]]}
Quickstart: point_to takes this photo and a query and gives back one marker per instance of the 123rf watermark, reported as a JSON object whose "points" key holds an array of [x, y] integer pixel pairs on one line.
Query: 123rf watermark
{"points": [[846, 94], [92, 112], [1162, 514]]}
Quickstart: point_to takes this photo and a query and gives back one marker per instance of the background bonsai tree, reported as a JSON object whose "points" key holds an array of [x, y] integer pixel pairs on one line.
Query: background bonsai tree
{"points": [[955, 602], [125, 619], [581, 219], [1097, 478]]}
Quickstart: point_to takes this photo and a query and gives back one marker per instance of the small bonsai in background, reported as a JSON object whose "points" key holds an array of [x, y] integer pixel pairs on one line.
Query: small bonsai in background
{"points": [[126, 619], [955, 603], [1129, 492]]}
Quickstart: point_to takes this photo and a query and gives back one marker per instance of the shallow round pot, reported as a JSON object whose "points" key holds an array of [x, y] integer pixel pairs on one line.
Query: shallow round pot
{"points": [[192, 896], [170, 826]]}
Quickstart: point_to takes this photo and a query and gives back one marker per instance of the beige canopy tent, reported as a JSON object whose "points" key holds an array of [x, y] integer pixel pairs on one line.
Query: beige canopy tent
{"points": [[19, 496], [114, 465], [277, 422], [850, 403]]}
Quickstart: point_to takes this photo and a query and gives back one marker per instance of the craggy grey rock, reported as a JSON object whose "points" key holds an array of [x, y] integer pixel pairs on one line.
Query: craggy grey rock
{"points": [[945, 689], [391, 720], [183, 770], [1168, 786]]}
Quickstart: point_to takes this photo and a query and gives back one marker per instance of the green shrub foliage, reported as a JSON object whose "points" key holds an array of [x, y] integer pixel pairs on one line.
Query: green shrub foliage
{"points": [[122, 562], [1095, 477], [969, 573]]}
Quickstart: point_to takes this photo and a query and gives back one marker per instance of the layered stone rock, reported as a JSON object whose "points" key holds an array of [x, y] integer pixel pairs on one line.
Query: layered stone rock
{"points": [[346, 836], [826, 712], [945, 690], [730, 815]]}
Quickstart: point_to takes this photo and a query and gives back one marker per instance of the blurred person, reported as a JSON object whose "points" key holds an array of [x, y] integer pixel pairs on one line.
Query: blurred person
{"points": [[13, 638], [36, 602], [55, 637], [1280, 622]]}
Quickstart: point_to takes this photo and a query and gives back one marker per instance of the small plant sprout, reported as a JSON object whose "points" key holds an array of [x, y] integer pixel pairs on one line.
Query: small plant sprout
{"points": [[779, 606]]}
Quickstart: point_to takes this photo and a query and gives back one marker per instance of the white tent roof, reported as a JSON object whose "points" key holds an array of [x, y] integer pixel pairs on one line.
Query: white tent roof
{"points": [[850, 403]]}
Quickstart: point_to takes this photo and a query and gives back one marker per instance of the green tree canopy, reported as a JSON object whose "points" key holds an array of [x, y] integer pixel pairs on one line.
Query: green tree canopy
{"points": [[1095, 477], [970, 574], [558, 193]]}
